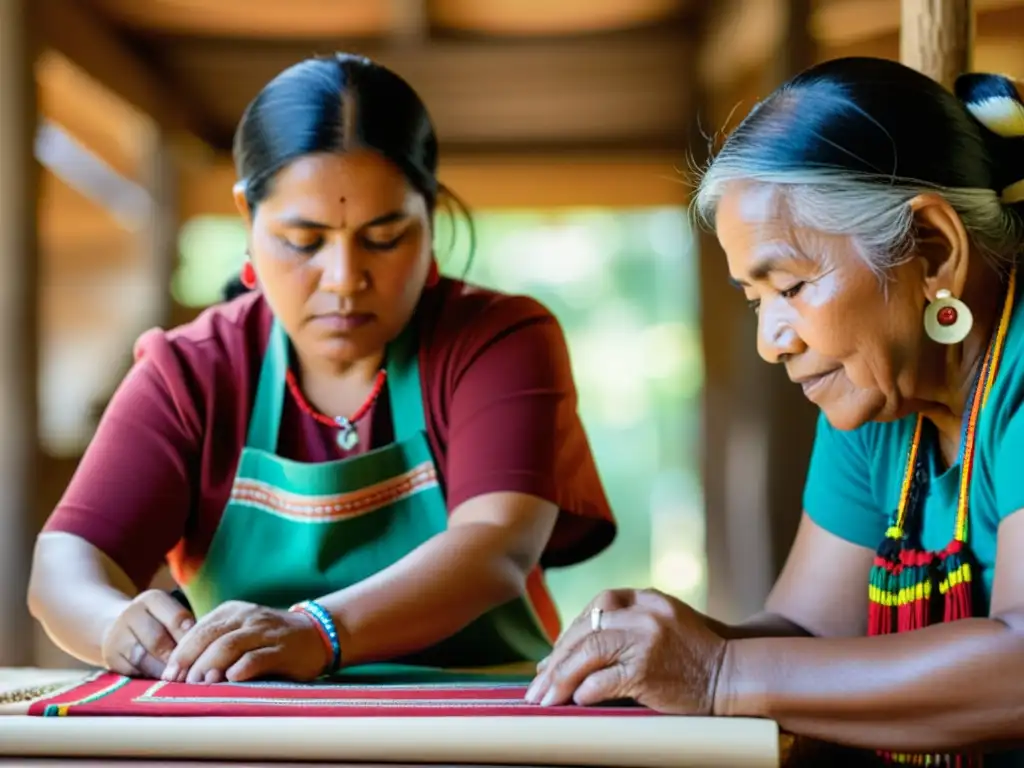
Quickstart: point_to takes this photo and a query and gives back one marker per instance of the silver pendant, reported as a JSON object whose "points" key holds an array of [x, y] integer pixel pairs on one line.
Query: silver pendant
{"points": [[348, 436]]}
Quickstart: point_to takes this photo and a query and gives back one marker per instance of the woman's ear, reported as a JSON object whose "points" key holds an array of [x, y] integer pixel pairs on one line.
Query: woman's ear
{"points": [[241, 202], [941, 242]]}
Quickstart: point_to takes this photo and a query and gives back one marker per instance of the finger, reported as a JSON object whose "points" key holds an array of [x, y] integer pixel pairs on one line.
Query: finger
{"points": [[195, 642], [151, 633], [134, 645], [615, 599], [222, 653], [253, 664], [142, 659], [608, 601], [657, 602], [174, 616], [118, 662], [607, 684], [567, 645], [117, 647], [594, 652]]}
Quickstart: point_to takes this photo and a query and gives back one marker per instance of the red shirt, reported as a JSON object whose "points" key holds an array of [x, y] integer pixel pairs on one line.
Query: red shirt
{"points": [[499, 402]]}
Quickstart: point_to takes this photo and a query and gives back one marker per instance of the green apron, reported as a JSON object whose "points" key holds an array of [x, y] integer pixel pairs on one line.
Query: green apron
{"points": [[296, 531]]}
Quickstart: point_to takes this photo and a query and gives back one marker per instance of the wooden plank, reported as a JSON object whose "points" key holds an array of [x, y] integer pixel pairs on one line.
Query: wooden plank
{"points": [[19, 289], [521, 181], [109, 127], [936, 37], [750, 30], [617, 89], [845, 22], [89, 42], [267, 19], [747, 29], [543, 17], [297, 19]]}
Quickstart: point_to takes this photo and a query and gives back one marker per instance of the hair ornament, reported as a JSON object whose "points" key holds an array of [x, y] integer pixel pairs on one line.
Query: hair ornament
{"points": [[997, 102]]}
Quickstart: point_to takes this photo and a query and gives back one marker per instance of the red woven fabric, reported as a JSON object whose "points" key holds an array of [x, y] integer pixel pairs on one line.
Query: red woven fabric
{"points": [[113, 695]]}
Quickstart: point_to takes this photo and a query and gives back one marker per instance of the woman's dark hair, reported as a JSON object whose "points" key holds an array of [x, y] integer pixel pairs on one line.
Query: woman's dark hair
{"points": [[338, 103], [852, 141]]}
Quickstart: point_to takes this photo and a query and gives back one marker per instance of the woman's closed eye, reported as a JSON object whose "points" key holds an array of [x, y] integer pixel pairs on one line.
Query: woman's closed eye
{"points": [[786, 293], [306, 245], [383, 242], [310, 245], [792, 291]]}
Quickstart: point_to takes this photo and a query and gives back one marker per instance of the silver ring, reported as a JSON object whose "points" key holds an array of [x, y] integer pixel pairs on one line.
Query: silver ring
{"points": [[595, 618]]}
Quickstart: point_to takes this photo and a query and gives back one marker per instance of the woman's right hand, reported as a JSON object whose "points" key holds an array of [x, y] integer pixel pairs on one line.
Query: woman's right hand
{"points": [[141, 639]]}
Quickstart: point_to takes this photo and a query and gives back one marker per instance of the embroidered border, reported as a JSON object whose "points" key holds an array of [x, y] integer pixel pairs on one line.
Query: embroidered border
{"points": [[331, 508], [61, 710]]}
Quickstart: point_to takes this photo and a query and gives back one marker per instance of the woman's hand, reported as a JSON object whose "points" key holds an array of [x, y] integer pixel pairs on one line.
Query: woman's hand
{"points": [[651, 648], [240, 641], [142, 638]]}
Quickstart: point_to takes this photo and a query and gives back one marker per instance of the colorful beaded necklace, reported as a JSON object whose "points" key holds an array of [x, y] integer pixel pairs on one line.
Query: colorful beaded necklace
{"points": [[348, 437], [910, 587]]}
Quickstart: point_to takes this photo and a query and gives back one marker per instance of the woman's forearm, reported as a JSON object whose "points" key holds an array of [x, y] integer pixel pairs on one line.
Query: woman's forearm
{"points": [[947, 687], [76, 593], [427, 596]]}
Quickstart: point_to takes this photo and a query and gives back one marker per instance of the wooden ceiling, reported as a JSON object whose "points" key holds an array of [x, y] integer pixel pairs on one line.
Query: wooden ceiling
{"points": [[346, 19], [501, 77], [494, 73]]}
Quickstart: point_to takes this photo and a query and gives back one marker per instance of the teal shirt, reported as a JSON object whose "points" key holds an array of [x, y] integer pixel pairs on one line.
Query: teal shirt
{"points": [[853, 484]]}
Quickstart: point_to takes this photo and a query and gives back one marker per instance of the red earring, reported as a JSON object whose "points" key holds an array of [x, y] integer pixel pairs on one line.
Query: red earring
{"points": [[433, 276], [248, 276]]}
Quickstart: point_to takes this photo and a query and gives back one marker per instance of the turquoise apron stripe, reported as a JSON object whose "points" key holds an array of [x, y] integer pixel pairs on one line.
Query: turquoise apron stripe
{"points": [[268, 404]]}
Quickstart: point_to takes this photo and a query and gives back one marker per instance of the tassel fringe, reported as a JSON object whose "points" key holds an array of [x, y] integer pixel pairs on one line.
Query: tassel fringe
{"points": [[911, 589]]}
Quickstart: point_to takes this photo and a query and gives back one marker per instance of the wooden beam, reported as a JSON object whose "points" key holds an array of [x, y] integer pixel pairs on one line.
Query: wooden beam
{"points": [[19, 290], [741, 37], [90, 43], [267, 19], [617, 90], [411, 21], [936, 37], [544, 17], [109, 127], [847, 22], [523, 181]]}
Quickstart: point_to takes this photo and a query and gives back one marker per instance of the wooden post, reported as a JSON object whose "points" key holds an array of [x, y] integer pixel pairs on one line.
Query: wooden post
{"points": [[160, 231], [19, 336], [758, 427], [937, 37], [789, 417]]}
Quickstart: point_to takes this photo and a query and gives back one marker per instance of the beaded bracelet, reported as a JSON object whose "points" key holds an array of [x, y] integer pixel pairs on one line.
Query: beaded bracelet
{"points": [[325, 626]]}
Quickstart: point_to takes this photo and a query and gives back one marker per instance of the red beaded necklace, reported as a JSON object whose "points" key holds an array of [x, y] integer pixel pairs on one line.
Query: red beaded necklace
{"points": [[348, 437]]}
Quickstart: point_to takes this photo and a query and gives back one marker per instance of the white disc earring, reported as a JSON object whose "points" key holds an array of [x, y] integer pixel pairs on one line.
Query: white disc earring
{"points": [[947, 320]]}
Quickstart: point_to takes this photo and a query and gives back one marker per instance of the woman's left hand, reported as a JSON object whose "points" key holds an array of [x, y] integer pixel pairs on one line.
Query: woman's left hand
{"points": [[650, 648], [240, 641]]}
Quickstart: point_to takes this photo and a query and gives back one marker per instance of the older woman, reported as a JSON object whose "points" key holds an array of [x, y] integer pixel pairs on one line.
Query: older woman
{"points": [[872, 220], [355, 461]]}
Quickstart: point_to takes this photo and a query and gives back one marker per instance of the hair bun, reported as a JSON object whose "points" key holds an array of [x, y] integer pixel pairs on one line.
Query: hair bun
{"points": [[997, 102]]}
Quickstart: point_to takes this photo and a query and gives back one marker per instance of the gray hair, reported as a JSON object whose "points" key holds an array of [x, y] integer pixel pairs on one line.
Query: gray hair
{"points": [[875, 211]]}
